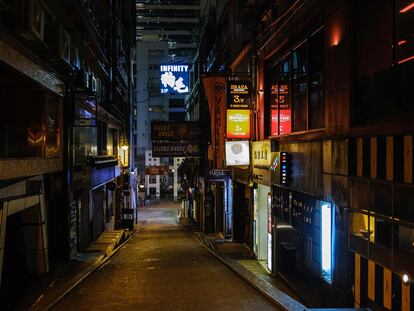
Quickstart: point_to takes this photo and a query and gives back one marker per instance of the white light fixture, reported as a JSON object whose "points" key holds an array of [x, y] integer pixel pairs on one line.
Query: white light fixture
{"points": [[405, 278]]}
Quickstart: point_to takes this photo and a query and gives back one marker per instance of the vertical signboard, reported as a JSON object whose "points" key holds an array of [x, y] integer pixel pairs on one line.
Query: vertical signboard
{"points": [[281, 112], [215, 87], [238, 95], [261, 162]]}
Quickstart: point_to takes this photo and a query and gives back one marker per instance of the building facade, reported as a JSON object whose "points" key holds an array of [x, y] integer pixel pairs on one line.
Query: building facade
{"points": [[325, 200], [67, 94]]}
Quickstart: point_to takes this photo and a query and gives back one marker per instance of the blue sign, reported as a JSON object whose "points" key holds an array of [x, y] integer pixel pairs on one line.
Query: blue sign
{"points": [[174, 79]]}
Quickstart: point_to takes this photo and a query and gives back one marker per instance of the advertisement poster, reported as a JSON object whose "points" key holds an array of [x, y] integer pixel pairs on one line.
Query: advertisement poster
{"points": [[238, 123], [238, 95]]}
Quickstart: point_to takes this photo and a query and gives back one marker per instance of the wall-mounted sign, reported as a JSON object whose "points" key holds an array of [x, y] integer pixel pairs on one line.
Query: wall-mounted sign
{"points": [[174, 79], [175, 149], [237, 153], [238, 95], [285, 123], [184, 130], [261, 162], [156, 170], [219, 174], [238, 123], [285, 168]]}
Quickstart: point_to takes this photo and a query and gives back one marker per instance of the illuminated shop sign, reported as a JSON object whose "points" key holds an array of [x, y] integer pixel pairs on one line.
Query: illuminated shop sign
{"points": [[238, 123], [261, 162], [238, 95], [174, 79], [237, 153], [285, 164], [281, 115], [175, 149], [326, 240], [283, 120], [171, 130]]}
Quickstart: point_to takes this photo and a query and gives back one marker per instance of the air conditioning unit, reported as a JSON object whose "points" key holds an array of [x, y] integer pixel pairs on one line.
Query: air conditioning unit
{"points": [[64, 45], [31, 20]]}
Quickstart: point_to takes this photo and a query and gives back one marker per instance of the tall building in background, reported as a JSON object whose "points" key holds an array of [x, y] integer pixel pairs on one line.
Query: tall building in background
{"points": [[166, 34]]}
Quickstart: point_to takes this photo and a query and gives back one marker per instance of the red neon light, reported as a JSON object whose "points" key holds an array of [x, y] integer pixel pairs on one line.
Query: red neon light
{"points": [[402, 42], [406, 59], [407, 8]]}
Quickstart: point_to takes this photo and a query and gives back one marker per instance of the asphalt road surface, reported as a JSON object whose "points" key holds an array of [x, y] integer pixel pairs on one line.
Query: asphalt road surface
{"points": [[163, 268]]}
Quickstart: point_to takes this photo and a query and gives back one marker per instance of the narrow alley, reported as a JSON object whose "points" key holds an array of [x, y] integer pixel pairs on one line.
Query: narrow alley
{"points": [[163, 268]]}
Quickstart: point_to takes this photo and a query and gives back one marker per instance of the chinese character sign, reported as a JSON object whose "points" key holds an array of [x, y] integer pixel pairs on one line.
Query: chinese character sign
{"points": [[174, 79]]}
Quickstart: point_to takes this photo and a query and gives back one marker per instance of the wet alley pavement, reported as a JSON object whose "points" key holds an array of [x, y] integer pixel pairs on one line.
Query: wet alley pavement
{"points": [[164, 268]]}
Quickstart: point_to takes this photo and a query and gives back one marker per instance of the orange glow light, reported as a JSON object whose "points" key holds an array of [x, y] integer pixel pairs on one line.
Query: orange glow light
{"points": [[406, 59], [336, 35], [407, 8], [402, 42]]}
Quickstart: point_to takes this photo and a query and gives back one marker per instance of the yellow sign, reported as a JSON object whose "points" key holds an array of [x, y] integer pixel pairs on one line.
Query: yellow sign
{"points": [[262, 162], [238, 123]]}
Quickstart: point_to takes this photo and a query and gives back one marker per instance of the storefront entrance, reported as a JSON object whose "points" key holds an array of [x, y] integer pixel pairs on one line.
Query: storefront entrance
{"points": [[263, 237]]}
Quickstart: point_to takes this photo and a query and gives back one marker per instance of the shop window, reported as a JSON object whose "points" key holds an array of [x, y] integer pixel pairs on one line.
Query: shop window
{"points": [[300, 88], [404, 239], [29, 118], [404, 205], [383, 232], [316, 68], [363, 226], [380, 198], [84, 139], [405, 30], [385, 54], [295, 92], [359, 195]]}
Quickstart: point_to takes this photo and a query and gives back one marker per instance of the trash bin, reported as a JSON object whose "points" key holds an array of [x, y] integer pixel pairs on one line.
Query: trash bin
{"points": [[128, 218]]}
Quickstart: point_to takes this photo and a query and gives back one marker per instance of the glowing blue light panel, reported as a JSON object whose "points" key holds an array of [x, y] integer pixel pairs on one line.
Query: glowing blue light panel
{"points": [[326, 243], [174, 79]]}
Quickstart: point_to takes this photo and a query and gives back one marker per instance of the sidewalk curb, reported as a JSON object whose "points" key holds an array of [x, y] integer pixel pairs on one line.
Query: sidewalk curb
{"points": [[87, 273], [291, 305]]}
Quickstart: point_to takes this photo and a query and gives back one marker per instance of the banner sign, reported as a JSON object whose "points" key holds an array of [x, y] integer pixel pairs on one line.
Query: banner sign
{"points": [[238, 95], [156, 170], [174, 79], [261, 162], [215, 88], [171, 130], [238, 123], [175, 149]]}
